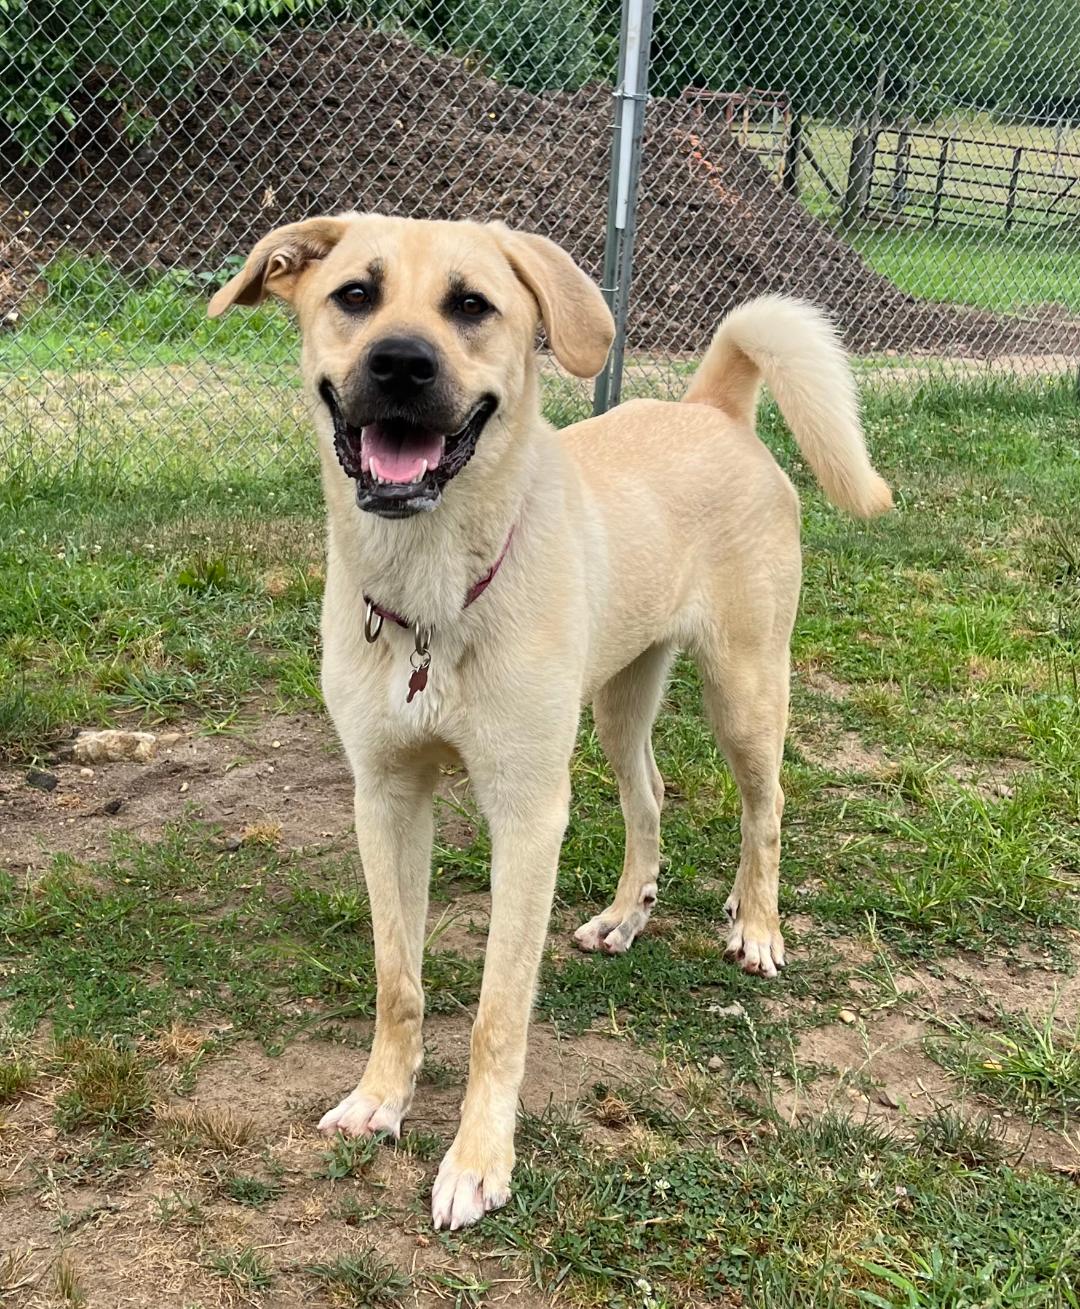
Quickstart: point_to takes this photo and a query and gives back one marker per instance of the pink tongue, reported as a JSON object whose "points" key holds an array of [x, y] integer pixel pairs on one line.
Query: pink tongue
{"points": [[393, 460]]}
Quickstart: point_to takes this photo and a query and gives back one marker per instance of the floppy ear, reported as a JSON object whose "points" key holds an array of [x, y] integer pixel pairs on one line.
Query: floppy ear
{"points": [[275, 262], [576, 318]]}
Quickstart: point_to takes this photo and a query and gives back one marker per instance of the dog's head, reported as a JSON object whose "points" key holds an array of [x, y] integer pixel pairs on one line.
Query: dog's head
{"points": [[418, 338]]}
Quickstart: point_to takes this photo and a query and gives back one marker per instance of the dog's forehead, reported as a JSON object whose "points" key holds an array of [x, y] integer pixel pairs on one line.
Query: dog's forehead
{"points": [[414, 257]]}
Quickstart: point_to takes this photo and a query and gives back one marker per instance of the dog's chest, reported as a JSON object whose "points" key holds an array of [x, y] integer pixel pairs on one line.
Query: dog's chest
{"points": [[421, 697]]}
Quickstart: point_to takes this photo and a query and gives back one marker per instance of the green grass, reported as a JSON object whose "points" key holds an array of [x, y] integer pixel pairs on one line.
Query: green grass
{"points": [[349, 1156], [110, 1087], [252, 1192], [16, 1074], [988, 268], [1033, 1063], [944, 641], [821, 1213], [359, 1280], [93, 315], [247, 1268]]}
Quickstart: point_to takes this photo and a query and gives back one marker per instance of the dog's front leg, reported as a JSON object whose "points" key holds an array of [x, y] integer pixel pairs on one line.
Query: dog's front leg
{"points": [[394, 827], [527, 830]]}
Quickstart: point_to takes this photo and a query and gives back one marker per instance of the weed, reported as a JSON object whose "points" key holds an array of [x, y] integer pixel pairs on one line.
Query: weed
{"points": [[107, 1158], [109, 1087], [974, 1141], [1034, 1064], [252, 1192], [68, 1286], [349, 1156], [246, 1267], [16, 1075], [177, 1210], [361, 1280]]}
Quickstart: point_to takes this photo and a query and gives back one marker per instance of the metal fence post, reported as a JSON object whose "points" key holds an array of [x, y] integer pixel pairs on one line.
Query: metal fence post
{"points": [[631, 90]]}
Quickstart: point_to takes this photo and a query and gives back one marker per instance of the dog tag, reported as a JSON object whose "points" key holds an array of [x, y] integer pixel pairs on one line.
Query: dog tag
{"points": [[417, 682]]}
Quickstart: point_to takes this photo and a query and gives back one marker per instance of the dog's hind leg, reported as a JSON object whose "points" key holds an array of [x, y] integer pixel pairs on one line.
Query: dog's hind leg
{"points": [[746, 695], [394, 828], [624, 710]]}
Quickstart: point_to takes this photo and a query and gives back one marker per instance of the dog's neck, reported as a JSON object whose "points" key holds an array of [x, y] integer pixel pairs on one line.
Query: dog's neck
{"points": [[423, 567]]}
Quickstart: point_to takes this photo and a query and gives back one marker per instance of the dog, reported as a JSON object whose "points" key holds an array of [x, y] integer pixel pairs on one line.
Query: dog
{"points": [[487, 576]]}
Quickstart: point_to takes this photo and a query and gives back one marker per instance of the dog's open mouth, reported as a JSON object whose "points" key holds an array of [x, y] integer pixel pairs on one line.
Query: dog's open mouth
{"points": [[400, 467]]}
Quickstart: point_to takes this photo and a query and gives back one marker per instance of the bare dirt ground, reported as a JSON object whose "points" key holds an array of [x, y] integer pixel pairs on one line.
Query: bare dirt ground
{"points": [[134, 1242]]}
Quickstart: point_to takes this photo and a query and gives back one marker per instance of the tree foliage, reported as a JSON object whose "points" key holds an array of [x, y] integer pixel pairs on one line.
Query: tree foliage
{"points": [[1018, 56]]}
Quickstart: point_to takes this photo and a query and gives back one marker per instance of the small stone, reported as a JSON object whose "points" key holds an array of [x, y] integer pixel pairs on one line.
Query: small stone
{"points": [[42, 781], [230, 843], [886, 1098], [109, 746], [715, 1064], [275, 745], [86, 772], [728, 1010], [112, 806], [847, 1016], [184, 786]]}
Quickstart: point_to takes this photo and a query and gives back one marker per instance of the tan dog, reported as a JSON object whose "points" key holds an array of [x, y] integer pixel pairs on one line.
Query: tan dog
{"points": [[603, 549]]}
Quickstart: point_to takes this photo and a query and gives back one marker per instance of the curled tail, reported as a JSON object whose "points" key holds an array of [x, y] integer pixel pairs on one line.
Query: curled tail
{"points": [[792, 347]]}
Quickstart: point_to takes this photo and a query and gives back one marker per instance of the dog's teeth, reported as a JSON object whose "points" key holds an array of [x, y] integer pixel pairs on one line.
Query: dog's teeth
{"points": [[422, 473]]}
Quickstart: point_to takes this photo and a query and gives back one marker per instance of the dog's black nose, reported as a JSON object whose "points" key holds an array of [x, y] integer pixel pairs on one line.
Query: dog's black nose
{"points": [[403, 364]]}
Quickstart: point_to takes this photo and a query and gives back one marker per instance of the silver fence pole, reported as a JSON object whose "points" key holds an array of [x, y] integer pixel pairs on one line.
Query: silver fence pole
{"points": [[631, 91]]}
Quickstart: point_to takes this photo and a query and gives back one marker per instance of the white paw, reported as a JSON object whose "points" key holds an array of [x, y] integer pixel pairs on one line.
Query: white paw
{"points": [[363, 1115], [615, 930], [755, 946], [463, 1195]]}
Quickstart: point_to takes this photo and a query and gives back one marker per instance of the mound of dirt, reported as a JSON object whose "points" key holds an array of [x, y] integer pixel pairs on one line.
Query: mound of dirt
{"points": [[349, 118]]}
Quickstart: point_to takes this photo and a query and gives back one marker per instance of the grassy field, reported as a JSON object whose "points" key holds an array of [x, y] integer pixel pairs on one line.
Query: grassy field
{"points": [[186, 964], [986, 266]]}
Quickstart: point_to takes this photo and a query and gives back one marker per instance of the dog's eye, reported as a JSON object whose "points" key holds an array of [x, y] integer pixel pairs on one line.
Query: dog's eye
{"points": [[472, 306], [354, 296]]}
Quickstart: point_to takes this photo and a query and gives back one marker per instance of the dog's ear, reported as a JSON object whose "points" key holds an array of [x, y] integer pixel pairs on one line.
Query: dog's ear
{"points": [[276, 262], [576, 318]]}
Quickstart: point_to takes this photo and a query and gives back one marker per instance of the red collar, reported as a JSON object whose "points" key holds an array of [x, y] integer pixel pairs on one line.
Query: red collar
{"points": [[474, 592]]}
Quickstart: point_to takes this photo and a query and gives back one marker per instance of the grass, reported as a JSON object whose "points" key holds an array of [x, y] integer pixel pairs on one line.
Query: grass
{"points": [[68, 1286], [16, 1075], [110, 1087], [823, 1213], [252, 1192], [1033, 1063], [932, 776], [349, 1156], [246, 1268], [357, 1281], [988, 267], [1000, 272]]}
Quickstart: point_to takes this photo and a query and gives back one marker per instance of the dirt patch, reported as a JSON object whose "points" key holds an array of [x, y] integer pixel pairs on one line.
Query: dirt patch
{"points": [[287, 773], [150, 1237], [818, 680], [351, 118], [993, 779], [873, 1060], [844, 753]]}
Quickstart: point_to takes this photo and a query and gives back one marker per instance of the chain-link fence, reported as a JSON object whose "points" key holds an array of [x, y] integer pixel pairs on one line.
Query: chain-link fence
{"points": [[913, 167]]}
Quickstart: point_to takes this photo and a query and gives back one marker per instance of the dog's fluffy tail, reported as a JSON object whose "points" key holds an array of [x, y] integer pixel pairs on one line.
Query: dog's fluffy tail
{"points": [[792, 347]]}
